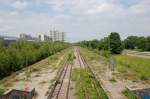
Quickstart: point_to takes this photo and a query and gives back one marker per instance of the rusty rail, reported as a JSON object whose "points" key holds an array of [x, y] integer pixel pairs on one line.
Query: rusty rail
{"points": [[94, 76], [56, 81], [54, 94], [84, 88], [62, 81]]}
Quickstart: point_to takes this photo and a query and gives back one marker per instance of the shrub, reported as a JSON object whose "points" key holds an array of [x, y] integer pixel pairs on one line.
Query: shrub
{"points": [[2, 90]]}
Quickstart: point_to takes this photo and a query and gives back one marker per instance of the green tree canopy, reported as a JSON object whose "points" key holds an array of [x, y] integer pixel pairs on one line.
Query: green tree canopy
{"points": [[115, 43], [131, 42], [21, 54]]}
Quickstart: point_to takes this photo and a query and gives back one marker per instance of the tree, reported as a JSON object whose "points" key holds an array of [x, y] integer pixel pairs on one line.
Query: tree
{"points": [[94, 44], [104, 44], [21, 54], [115, 43], [131, 42], [141, 43], [1, 42], [147, 44]]}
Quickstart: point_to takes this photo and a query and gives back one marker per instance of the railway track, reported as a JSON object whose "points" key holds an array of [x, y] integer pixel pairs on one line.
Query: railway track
{"points": [[62, 85], [92, 77], [82, 66]]}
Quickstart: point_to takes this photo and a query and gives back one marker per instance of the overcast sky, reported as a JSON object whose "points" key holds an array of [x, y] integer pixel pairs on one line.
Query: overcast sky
{"points": [[80, 19]]}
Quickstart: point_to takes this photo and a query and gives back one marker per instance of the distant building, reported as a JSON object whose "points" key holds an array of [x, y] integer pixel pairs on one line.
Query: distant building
{"points": [[8, 39], [57, 36], [25, 37], [43, 37]]}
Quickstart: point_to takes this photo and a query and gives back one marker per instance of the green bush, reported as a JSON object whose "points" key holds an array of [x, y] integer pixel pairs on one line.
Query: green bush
{"points": [[21, 54], [2, 90], [144, 77], [105, 53], [129, 94]]}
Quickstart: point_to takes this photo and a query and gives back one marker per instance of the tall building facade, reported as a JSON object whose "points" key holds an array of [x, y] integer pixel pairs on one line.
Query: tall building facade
{"points": [[57, 36]]}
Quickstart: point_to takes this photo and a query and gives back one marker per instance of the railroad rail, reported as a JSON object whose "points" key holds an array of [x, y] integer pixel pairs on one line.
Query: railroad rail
{"points": [[82, 66], [61, 88], [93, 78]]}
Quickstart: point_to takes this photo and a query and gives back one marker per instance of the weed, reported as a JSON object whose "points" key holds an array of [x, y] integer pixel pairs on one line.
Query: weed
{"points": [[112, 79], [42, 82], [144, 77], [85, 83], [138, 67], [2, 90], [129, 94]]}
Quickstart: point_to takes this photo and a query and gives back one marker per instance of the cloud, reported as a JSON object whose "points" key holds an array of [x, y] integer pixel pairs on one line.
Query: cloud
{"points": [[20, 4], [81, 19], [141, 7]]}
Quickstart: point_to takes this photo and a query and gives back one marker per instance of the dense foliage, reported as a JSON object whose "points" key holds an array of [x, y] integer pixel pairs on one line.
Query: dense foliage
{"points": [[21, 54], [111, 43], [135, 42], [114, 45]]}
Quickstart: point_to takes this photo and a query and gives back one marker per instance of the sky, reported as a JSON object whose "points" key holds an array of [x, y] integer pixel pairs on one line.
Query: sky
{"points": [[80, 19]]}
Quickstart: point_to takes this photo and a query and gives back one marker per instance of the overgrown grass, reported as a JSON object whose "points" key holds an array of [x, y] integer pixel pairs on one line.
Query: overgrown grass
{"points": [[136, 67], [85, 85], [129, 94], [130, 67], [51, 62], [92, 55], [2, 90]]}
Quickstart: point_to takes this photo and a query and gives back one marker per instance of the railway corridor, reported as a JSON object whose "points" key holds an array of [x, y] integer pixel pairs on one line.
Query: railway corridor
{"points": [[79, 58], [91, 88], [66, 89], [61, 90]]}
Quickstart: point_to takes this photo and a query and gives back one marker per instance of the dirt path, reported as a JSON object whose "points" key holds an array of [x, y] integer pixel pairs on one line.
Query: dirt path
{"points": [[107, 77], [114, 88], [142, 56], [137, 53]]}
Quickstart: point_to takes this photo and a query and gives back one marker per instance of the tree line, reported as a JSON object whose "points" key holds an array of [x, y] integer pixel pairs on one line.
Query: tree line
{"points": [[21, 54], [135, 42], [113, 44]]}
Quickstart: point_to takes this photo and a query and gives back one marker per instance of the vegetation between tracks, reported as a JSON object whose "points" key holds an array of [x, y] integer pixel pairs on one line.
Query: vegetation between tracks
{"points": [[85, 85], [2, 90]]}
